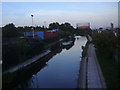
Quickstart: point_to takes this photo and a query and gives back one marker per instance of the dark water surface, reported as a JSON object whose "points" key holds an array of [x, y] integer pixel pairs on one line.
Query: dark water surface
{"points": [[61, 71]]}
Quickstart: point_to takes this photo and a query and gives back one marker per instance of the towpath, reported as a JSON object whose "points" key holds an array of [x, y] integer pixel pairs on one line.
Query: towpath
{"points": [[90, 70]]}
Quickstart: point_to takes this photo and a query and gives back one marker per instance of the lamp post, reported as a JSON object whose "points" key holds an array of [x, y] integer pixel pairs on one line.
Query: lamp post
{"points": [[32, 25]]}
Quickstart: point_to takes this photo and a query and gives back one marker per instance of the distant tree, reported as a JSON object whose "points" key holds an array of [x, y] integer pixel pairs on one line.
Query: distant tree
{"points": [[100, 28], [20, 28], [54, 25], [27, 28], [66, 27], [9, 31], [67, 24]]}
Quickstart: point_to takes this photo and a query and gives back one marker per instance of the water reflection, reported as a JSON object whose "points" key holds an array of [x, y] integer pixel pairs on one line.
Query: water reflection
{"points": [[60, 69], [68, 44], [42, 63], [37, 67]]}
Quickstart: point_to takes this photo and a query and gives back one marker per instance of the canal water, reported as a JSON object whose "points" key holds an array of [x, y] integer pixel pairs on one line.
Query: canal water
{"points": [[61, 71]]}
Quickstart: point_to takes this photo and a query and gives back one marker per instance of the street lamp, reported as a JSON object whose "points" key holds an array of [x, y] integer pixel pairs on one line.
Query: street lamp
{"points": [[32, 25]]}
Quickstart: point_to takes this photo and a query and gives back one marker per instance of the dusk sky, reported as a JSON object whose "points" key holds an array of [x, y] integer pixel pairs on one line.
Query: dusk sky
{"points": [[99, 14]]}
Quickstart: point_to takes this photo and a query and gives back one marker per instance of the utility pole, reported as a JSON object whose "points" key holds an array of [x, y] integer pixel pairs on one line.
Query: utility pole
{"points": [[76, 26], [45, 24], [111, 26], [89, 25], [32, 25]]}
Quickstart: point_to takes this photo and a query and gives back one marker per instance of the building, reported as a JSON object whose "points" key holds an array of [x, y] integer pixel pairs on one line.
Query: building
{"points": [[83, 26], [43, 34]]}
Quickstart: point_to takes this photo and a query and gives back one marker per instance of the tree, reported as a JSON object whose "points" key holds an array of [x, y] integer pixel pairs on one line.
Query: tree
{"points": [[66, 27], [9, 31], [54, 25], [105, 42]]}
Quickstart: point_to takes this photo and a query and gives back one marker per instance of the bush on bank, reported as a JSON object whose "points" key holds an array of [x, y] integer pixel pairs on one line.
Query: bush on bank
{"points": [[106, 44], [19, 51]]}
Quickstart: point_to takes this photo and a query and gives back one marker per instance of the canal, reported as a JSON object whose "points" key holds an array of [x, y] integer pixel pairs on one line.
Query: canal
{"points": [[61, 71]]}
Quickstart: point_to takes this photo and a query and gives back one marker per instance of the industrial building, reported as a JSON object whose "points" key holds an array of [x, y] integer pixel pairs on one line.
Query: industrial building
{"points": [[43, 34], [83, 25]]}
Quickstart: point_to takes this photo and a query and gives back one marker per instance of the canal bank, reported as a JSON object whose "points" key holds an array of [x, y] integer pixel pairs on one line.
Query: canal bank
{"points": [[18, 73], [60, 69], [27, 62], [11, 79], [82, 79], [90, 72], [48, 48]]}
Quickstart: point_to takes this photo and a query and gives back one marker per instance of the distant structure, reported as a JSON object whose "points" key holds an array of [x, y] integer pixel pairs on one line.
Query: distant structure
{"points": [[111, 26], [43, 35], [83, 25]]}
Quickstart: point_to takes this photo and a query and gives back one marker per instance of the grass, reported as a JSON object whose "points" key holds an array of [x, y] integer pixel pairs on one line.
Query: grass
{"points": [[84, 54], [110, 71], [85, 49]]}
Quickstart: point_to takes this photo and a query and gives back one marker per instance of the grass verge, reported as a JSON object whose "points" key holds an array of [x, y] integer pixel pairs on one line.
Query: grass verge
{"points": [[85, 49], [111, 71], [85, 54]]}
